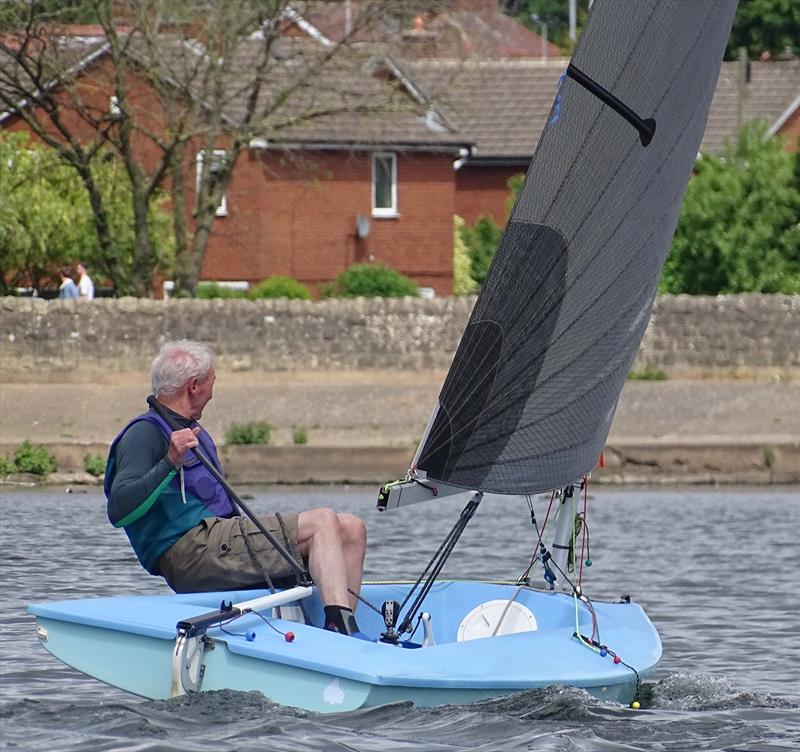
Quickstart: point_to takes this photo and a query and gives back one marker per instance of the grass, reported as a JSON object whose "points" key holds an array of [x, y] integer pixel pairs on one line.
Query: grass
{"points": [[251, 432], [648, 372]]}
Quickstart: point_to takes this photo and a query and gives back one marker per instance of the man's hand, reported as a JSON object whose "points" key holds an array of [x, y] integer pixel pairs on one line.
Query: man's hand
{"points": [[180, 442]]}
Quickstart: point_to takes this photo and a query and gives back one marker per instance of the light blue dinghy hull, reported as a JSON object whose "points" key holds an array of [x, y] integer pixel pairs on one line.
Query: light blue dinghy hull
{"points": [[128, 642]]}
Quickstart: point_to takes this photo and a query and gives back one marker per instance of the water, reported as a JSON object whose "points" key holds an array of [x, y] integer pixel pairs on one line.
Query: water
{"points": [[715, 570]]}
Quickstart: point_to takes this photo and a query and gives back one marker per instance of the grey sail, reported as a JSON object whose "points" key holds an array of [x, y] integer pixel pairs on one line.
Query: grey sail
{"points": [[528, 401]]}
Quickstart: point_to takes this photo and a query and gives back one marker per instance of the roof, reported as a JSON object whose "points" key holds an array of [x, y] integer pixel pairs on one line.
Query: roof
{"points": [[355, 102], [359, 95], [502, 105], [465, 28], [772, 88]]}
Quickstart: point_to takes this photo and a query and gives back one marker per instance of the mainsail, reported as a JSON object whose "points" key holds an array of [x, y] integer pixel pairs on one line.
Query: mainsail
{"points": [[528, 401]]}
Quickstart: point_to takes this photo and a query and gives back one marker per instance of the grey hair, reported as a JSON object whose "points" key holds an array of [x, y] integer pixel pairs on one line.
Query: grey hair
{"points": [[179, 362]]}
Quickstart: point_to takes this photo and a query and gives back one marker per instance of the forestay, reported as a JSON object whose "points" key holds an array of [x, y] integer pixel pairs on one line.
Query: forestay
{"points": [[529, 399]]}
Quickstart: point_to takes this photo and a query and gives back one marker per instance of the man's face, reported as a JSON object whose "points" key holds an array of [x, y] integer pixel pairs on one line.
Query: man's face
{"points": [[200, 393]]}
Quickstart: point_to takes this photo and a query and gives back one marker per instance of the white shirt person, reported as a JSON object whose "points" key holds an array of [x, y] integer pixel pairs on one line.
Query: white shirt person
{"points": [[85, 284]]}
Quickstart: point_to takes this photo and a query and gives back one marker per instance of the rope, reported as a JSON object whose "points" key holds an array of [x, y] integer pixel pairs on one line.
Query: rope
{"points": [[363, 600], [295, 552], [436, 563], [260, 567], [524, 576]]}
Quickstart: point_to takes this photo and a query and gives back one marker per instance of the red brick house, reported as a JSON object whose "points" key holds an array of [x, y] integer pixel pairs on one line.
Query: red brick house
{"points": [[496, 82], [318, 197], [501, 106]]}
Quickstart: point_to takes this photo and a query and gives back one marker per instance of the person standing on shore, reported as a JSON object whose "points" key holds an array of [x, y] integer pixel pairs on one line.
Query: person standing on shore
{"points": [[183, 526], [85, 284], [67, 290]]}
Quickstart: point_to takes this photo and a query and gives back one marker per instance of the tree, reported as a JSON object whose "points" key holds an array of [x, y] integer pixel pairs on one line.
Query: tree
{"points": [[738, 229], [220, 73], [554, 13], [771, 26], [41, 226], [46, 220]]}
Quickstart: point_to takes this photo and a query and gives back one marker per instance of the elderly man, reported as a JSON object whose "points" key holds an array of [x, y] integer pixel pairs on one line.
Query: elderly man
{"points": [[181, 522]]}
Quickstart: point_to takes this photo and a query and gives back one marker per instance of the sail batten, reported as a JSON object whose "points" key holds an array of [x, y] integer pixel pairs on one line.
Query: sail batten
{"points": [[529, 399]]}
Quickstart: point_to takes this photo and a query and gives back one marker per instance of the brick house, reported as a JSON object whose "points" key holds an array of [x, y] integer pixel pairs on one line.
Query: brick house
{"points": [[317, 197], [496, 82], [503, 105]]}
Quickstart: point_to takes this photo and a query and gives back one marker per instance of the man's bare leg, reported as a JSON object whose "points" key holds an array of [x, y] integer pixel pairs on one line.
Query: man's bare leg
{"points": [[355, 546], [320, 541]]}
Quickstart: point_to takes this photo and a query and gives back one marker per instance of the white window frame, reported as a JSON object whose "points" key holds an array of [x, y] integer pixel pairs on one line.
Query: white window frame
{"points": [[385, 211], [222, 209]]}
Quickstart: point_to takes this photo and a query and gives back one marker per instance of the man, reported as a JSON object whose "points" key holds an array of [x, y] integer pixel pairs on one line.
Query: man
{"points": [[181, 522], [85, 284]]}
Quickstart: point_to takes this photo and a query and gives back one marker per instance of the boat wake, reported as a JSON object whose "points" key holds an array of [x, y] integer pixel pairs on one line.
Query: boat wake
{"points": [[698, 692]]}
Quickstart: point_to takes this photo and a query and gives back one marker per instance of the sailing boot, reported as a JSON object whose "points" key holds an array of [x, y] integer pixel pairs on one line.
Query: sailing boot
{"points": [[341, 619]]}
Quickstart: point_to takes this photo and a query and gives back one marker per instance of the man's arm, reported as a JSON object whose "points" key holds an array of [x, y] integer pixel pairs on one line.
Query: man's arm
{"points": [[142, 471]]}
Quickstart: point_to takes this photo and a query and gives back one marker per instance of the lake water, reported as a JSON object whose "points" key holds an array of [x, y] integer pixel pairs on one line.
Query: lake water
{"points": [[716, 570]]}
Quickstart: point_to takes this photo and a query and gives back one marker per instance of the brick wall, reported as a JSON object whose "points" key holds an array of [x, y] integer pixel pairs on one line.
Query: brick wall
{"points": [[483, 191], [295, 214], [791, 130], [49, 339]]}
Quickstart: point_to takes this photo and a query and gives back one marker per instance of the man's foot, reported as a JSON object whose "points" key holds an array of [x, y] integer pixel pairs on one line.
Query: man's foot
{"points": [[340, 619]]}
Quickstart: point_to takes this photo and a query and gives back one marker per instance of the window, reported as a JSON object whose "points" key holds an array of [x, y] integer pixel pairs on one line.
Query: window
{"points": [[214, 169], [384, 185]]}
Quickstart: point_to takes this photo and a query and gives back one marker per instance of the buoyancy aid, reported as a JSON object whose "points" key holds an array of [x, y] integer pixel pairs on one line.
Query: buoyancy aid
{"points": [[176, 506]]}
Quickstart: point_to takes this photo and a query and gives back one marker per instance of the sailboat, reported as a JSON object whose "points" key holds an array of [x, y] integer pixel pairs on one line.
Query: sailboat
{"points": [[525, 410]]}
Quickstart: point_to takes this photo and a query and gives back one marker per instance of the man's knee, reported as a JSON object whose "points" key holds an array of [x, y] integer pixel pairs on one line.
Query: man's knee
{"points": [[354, 531], [319, 520]]}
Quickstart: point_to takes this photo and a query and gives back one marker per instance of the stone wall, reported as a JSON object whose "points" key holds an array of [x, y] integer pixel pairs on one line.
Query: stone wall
{"points": [[69, 339]]}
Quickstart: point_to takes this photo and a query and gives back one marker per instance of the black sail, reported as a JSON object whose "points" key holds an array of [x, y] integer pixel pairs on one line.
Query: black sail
{"points": [[528, 401]]}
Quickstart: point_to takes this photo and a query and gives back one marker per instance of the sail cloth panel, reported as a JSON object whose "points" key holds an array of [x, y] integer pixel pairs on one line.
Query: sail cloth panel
{"points": [[529, 399]]}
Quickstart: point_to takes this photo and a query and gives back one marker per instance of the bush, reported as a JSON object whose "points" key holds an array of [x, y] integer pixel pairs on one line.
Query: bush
{"points": [[278, 286], [34, 459], [6, 467], [481, 241], [208, 290], [648, 372], [371, 281], [95, 465], [738, 229], [300, 435], [463, 283], [252, 432]]}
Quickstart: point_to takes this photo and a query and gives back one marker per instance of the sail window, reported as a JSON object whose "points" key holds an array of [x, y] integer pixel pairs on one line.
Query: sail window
{"points": [[384, 185], [214, 168]]}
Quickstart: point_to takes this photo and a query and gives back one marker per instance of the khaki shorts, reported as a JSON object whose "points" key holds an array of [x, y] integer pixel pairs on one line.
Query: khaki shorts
{"points": [[216, 556]]}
